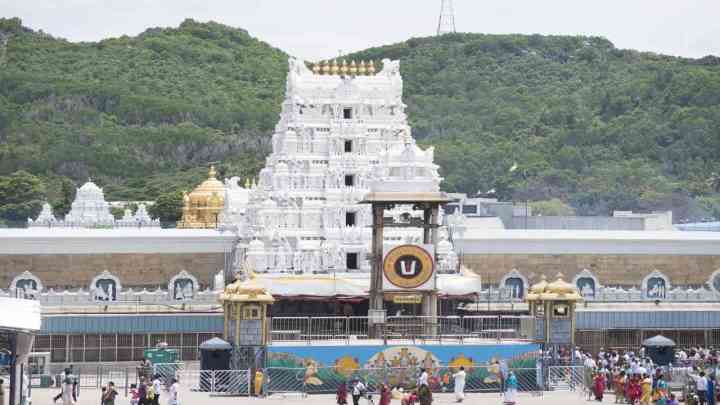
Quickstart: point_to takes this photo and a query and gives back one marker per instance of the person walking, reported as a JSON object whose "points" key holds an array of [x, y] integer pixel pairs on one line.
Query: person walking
{"points": [[67, 391], [646, 385], [341, 394], [424, 395], [109, 394], [358, 389], [173, 392], [459, 379], [385, 395], [510, 395], [423, 378], [711, 388], [599, 385], [157, 386], [143, 392]]}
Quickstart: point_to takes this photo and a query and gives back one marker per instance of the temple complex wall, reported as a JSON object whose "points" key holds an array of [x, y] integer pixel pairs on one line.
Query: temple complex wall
{"points": [[610, 269], [135, 270]]}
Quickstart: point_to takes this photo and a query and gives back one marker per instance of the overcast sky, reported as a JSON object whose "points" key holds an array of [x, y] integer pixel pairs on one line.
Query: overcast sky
{"points": [[318, 29]]}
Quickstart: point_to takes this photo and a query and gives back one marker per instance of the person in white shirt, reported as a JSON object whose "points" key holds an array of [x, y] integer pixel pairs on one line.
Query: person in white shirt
{"points": [[157, 387], [173, 396], [423, 379], [459, 378], [358, 389]]}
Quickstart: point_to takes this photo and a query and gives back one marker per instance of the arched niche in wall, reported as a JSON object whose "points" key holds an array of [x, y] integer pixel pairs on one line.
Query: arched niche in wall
{"points": [[105, 287], [587, 284], [655, 286], [515, 283], [28, 283], [183, 286]]}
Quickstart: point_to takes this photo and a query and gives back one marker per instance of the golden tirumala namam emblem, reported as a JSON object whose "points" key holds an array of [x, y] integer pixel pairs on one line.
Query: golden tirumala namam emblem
{"points": [[408, 266]]}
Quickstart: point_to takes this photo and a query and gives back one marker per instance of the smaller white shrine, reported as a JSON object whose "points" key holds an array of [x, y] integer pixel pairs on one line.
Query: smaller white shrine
{"points": [[46, 217], [89, 208]]}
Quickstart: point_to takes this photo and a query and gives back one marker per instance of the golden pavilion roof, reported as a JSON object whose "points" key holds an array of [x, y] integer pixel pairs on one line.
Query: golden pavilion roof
{"points": [[558, 290], [209, 186], [247, 291]]}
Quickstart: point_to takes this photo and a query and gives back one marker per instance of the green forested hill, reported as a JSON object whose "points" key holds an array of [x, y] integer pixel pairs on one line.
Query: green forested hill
{"points": [[597, 127]]}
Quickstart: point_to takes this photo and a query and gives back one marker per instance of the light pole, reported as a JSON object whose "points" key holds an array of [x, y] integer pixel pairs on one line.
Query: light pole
{"points": [[523, 174]]}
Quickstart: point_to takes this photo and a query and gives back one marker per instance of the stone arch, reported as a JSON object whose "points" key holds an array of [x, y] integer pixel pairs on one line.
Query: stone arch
{"points": [[105, 287], [28, 282], [183, 286], [655, 286], [714, 281], [516, 283], [587, 283]]}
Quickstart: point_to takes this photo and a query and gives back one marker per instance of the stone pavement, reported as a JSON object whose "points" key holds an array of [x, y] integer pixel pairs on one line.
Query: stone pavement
{"points": [[91, 397]]}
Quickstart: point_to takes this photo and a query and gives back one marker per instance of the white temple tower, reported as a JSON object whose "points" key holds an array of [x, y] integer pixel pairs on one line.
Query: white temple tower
{"points": [[342, 127]]}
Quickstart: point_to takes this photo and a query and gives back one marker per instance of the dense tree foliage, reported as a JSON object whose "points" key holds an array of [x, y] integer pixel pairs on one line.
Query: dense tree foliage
{"points": [[21, 197], [598, 127], [168, 207], [594, 126]]}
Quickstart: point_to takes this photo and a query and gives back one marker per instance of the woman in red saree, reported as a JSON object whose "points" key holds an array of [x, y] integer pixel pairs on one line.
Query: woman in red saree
{"points": [[385, 396], [599, 385]]}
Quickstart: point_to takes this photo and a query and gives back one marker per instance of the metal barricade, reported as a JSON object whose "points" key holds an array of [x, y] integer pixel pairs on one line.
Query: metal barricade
{"points": [[568, 378], [231, 382], [168, 371]]}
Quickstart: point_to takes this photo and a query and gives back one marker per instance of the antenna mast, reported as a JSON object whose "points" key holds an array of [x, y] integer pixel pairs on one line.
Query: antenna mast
{"points": [[446, 24]]}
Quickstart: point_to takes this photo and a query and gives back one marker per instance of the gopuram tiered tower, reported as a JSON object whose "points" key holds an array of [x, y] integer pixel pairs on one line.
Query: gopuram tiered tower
{"points": [[342, 129]]}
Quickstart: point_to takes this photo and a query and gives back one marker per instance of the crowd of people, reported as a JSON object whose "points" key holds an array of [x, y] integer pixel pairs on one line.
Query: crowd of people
{"points": [[636, 379], [149, 390]]}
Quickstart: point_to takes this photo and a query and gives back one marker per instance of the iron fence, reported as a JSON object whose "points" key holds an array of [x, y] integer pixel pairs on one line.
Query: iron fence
{"points": [[324, 380], [451, 328]]}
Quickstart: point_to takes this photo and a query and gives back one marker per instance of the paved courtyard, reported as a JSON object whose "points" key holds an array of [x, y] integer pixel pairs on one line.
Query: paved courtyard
{"points": [[91, 397]]}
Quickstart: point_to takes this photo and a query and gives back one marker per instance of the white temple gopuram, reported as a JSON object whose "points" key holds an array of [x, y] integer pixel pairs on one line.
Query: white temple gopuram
{"points": [[342, 132], [90, 210]]}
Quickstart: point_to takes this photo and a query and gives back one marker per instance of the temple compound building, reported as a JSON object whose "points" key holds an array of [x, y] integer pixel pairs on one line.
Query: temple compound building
{"points": [[110, 288]]}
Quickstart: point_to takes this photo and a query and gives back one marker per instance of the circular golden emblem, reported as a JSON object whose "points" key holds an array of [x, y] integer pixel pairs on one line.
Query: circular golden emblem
{"points": [[408, 266]]}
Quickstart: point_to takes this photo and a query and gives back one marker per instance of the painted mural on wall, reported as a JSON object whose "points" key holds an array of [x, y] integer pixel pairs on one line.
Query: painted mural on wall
{"points": [[319, 369]]}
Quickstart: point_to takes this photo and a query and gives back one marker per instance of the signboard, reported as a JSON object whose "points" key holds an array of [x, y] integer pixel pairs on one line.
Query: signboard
{"points": [[409, 267], [407, 299]]}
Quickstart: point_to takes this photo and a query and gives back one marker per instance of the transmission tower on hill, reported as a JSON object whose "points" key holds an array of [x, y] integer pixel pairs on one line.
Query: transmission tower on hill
{"points": [[446, 24]]}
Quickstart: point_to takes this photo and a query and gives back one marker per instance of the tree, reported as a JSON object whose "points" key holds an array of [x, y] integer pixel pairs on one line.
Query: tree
{"points": [[21, 196], [67, 195], [552, 207], [167, 207]]}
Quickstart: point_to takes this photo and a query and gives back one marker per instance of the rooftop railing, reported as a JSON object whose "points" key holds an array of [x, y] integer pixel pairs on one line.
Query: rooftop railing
{"points": [[460, 329]]}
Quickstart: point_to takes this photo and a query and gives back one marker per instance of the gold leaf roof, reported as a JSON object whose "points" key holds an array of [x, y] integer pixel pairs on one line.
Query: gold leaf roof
{"points": [[558, 290], [209, 186], [248, 290]]}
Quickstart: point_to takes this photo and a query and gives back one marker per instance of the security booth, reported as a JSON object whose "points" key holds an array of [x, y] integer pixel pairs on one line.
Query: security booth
{"points": [[660, 349], [214, 355], [19, 323], [552, 306]]}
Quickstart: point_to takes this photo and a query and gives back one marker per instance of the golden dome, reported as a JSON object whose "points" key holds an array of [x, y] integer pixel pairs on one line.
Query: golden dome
{"points": [[344, 67], [361, 68], [560, 286], [353, 68], [203, 205], [316, 68], [539, 288]]}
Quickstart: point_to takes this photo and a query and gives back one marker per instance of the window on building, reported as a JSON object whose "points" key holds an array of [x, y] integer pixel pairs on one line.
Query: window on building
{"points": [[352, 261], [350, 219], [469, 209], [451, 208], [348, 146], [347, 113], [349, 180]]}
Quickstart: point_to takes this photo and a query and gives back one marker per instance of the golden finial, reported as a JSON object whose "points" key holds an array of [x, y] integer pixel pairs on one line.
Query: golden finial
{"points": [[361, 68], [211, 172], [353, 68], [325, 67], [254, 184], [247, 183], [316, 69], [344, 67], [334, 68], [371, 68]]}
